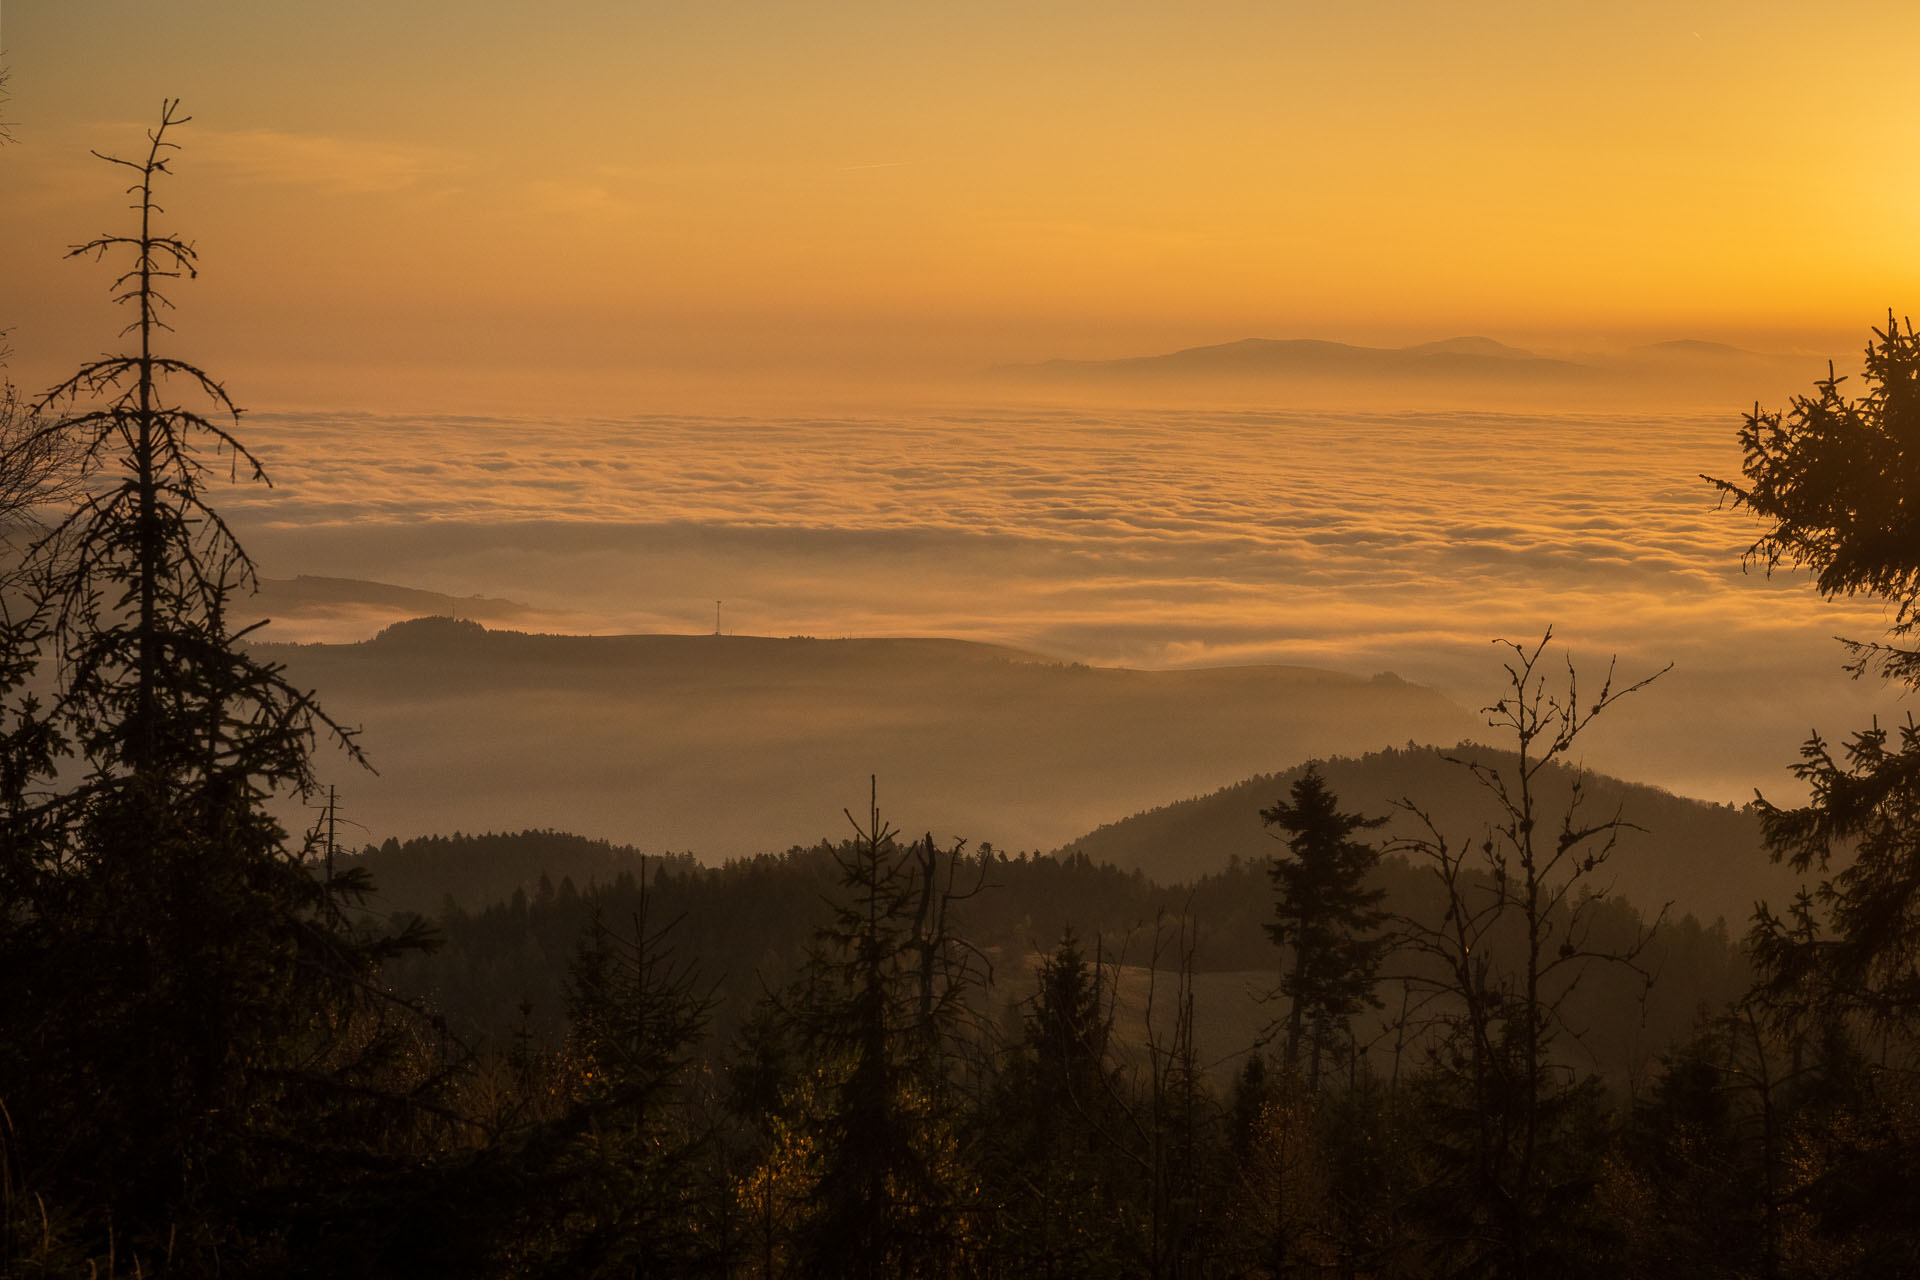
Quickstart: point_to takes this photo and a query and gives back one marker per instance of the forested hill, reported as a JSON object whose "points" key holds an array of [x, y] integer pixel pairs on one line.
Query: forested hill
{"points": [[1704, 858]]}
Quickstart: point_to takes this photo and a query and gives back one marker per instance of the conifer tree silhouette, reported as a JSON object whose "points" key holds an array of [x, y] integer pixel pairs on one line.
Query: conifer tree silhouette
{"points": [[204, 1032], [1327, 916], [876, 1007], [1836, 483]]}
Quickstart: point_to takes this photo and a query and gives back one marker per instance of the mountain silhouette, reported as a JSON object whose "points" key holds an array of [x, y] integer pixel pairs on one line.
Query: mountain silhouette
{"points": [[1705, 859], [1451, 359], [733, 745]]}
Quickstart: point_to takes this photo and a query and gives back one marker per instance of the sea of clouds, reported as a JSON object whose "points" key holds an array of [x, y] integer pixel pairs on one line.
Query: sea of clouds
{"points": [[1361, 542]]}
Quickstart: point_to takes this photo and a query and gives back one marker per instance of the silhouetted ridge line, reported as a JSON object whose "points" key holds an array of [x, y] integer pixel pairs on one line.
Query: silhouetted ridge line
{"points": [[1312, 357], [1704, 858]]}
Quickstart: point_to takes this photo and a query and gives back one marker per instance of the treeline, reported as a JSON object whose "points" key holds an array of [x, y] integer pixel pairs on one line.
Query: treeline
{"points": [[500, 970]]}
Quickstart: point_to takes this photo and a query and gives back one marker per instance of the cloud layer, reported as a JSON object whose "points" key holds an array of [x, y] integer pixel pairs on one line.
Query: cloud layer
{"points": [[1360, 542]]}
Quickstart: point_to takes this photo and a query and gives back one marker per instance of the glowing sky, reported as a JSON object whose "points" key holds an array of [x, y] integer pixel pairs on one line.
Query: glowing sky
{"points": [[578, 199]]}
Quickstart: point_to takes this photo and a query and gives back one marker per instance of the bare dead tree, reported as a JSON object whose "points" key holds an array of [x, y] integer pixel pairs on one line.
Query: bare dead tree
{"points": [[36, 466], [1492, 977], [38, 470]]}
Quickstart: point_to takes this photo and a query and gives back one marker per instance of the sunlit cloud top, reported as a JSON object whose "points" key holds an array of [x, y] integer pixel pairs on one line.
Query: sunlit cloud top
{"points": [[1361, 543]]}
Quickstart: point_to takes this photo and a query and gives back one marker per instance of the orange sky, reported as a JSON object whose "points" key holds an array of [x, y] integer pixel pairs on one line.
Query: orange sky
{"points": [[486, 198]]}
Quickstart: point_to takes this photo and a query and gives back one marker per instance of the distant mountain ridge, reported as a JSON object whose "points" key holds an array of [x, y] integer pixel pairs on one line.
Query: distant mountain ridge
{"points": [[439, 635], [1704, 859], [1446, 369], [733, 745], [1699, 347], [1448, 359]]}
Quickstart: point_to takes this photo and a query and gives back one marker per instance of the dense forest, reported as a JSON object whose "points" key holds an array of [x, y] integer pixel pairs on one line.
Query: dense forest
{"points": [[501, 966], [1454, 1051]]}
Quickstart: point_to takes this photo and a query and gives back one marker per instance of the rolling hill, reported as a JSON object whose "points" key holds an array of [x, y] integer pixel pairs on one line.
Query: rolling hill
{"points": [[1705, 859]]}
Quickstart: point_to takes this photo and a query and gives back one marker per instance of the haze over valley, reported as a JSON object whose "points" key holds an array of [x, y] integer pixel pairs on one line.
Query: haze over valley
{"points": [[1351, 543]]}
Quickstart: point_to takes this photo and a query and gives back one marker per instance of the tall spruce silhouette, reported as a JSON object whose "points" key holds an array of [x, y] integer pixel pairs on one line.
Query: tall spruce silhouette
{"points": [[1836, 483], [1327, 916], [204, 1036], [877, 1008]]}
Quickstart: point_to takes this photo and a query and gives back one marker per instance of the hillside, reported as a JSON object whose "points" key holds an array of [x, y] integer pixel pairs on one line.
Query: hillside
{"points": [[732, 745], [1704, 858]]}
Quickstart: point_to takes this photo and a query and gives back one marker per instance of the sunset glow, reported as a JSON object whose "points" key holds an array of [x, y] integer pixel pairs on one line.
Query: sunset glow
{"points": [[624, 196]]}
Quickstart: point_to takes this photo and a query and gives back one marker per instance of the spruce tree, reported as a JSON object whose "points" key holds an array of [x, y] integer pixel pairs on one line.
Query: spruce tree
{"points": [[194, 1038], [878, 1020], [1836, 483], [1329, 919], [1834, 479], [614, 1184], [1066, 1195]]}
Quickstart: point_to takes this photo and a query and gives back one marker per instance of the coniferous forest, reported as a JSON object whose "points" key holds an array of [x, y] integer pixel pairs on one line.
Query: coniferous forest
{"points": [[229, 1047]]}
